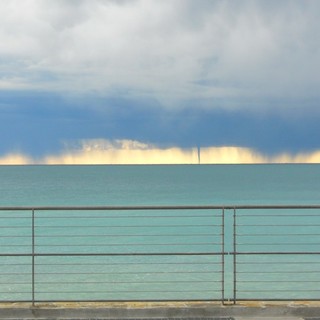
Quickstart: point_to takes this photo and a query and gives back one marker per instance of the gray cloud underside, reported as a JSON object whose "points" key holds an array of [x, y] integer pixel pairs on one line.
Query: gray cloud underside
{"points": [[225, 53]]}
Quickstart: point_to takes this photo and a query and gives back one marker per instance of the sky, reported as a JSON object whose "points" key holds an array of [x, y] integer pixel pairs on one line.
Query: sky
{"points": [[149, 81]]}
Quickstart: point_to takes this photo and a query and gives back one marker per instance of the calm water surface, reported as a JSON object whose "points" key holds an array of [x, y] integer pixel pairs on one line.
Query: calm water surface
{"points": [[169, 184]]}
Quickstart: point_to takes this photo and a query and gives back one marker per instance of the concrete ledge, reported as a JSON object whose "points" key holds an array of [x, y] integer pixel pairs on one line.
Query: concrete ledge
{"points": [[156, 310]]}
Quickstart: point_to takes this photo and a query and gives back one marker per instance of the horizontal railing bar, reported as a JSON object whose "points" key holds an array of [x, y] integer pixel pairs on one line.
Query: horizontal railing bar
{"points": [[129, 226], [278, 225], [276, 281], [123, 244], [14, 217], [277, 253], [111, 208], [130, 216], [16, 236], [276, 234], [126, 235], [124, 282], [128, 291], [9, 254], [129, 272], [277, 262], [279, 272], [15, 227], [14, 293], [123, 263], [15, 283], [278, 244], [280, 290], [15, 264], [278, 299], [112, 300], [200, 271], [116, 254], [15, 273], [182, 207], [15, 245], [156, 254], [283, 206], [288, 215]]}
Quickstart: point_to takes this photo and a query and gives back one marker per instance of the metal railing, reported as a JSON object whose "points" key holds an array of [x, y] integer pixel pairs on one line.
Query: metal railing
{"points": [[159, 253]]}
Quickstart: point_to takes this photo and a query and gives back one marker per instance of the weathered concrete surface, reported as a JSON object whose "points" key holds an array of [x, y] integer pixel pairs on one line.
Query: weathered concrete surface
{"points": [[241, 311], [269, 318]]}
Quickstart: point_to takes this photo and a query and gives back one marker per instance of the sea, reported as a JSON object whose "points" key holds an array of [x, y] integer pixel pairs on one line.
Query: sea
{"points": [[81, 255], [159, 185]]}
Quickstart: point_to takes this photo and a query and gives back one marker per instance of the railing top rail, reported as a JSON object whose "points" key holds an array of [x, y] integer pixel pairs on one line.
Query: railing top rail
{"points": [[160, 207]]}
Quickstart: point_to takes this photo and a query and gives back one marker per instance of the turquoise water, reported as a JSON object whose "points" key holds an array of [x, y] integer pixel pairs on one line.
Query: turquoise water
{"points": [[144, 185], [161, 277]]}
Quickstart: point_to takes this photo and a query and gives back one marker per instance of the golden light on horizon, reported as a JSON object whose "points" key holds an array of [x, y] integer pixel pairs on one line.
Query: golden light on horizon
{"points": [[127, 152], [15, 159]]}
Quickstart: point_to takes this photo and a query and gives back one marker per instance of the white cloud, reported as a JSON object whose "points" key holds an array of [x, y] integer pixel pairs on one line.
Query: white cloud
{"points": [[172, 50]]}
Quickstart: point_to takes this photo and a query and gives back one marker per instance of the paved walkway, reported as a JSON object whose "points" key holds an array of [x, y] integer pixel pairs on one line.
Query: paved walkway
{"points": [[88, 316], [162, 311], [228, 318], [13, 316]]}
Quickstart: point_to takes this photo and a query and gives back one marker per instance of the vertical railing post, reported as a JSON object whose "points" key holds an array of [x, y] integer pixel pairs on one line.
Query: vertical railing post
{"points": [[234, 256], [33, 252], [222, 257]]}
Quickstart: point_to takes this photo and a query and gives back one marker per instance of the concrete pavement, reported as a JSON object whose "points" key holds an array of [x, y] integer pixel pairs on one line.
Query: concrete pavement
{"points": [[162, 311]]}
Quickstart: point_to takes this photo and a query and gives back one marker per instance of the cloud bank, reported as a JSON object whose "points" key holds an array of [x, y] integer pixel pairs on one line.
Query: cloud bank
{"points": [[218, 53], [175, 72], [123, 152]]}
